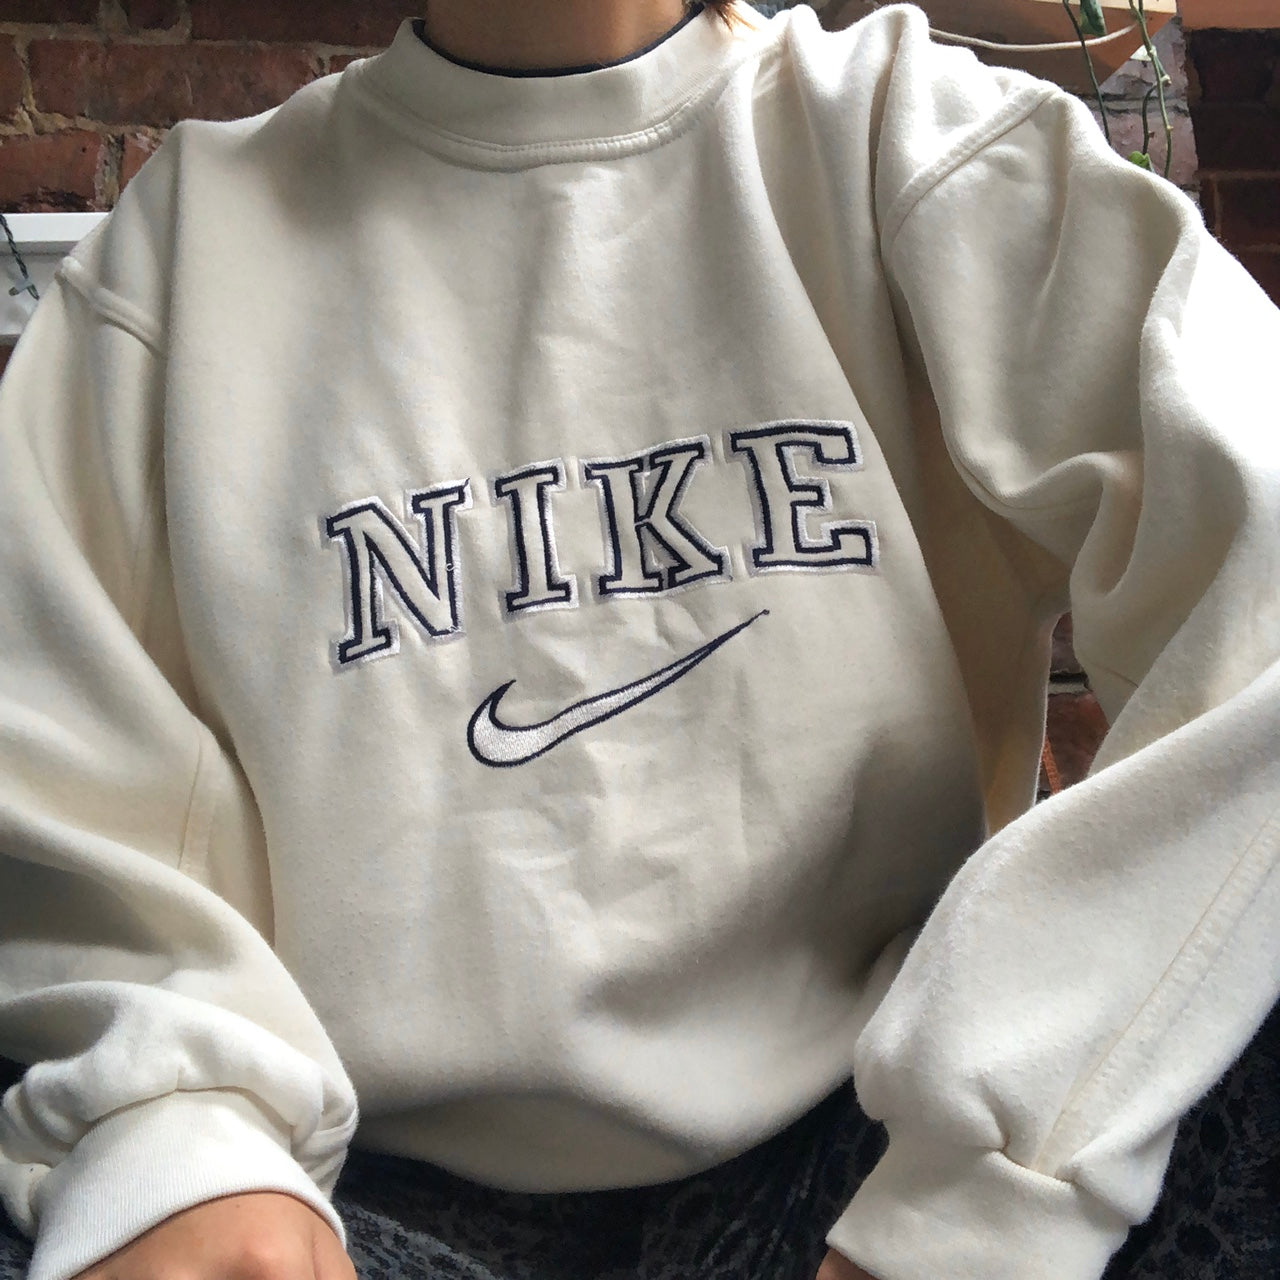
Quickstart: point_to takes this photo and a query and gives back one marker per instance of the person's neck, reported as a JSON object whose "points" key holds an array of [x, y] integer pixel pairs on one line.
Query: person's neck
{"points": [[528, 34]]}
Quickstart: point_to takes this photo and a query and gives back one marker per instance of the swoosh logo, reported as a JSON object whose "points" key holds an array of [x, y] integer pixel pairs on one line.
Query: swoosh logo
{"points": [[495, 742]]}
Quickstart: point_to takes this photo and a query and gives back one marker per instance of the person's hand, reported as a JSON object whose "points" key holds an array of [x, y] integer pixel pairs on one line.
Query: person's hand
{"points": [[835, 1266], [263, 1235]]}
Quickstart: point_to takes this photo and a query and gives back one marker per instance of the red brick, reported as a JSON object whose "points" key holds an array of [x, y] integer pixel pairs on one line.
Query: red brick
{"points": [[1209, 203], [159, 85], [1265, 269], [57, 11], [1126, 138], [1075, 729], [138, 149], [150, 14], [53, 172], [340, 22], [1250, 212], [1135, 77], [339, 61], [1233, 66], [1229, 136], [10, 79], [1064, 659]]}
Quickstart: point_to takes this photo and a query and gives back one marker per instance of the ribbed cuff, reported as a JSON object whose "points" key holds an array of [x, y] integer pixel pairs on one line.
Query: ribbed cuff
{"points": [[969, 1214], [145, 1163]]}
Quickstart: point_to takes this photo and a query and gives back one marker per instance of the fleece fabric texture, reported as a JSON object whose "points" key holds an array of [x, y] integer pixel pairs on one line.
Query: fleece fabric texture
{"points": [[527, 601]]}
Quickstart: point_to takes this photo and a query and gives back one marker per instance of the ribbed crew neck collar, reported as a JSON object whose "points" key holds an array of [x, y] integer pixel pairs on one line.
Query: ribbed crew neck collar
{"points": [[502, 120]]}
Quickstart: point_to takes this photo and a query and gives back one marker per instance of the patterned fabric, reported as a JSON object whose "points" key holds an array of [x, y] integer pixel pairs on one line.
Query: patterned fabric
{"points": [[763, 1216]]}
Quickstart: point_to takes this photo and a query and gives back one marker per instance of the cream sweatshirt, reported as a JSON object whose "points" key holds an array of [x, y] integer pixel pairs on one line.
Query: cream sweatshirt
{"points": [[526, 604]]}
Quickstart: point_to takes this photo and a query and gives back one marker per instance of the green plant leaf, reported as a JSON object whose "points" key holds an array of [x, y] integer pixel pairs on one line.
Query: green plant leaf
{"points": [[1092, 23], [1142, 160]]}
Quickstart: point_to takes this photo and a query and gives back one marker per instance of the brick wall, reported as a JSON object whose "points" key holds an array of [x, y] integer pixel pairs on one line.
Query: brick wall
{"points": [[88, 87], [1235, 105], [1123, 94]]}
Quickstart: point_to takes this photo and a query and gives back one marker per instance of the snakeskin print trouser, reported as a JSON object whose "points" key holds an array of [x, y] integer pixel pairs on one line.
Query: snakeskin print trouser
{"points": [[763, 1216]]}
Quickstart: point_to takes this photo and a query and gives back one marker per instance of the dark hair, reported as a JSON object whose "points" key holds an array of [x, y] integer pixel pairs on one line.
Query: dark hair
{"points": [[731, 13]]}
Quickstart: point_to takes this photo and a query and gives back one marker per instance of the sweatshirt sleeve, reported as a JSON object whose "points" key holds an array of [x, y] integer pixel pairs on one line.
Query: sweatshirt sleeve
{"points": [[1103, 376], [172, 1059]]}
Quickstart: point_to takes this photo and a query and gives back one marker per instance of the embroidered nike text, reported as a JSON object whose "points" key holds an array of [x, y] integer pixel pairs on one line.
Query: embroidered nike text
{"points": [[409, 570]]}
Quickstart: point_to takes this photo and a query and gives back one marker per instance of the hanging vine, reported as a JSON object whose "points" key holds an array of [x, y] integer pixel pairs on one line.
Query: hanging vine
{"points": [[1091, 22]]}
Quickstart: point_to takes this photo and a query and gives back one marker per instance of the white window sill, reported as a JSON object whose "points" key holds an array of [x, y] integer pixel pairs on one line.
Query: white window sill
{"points": [[44, 239]]}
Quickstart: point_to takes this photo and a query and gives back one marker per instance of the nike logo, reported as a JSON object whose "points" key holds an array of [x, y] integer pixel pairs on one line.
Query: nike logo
{"points": [[494, 742]]}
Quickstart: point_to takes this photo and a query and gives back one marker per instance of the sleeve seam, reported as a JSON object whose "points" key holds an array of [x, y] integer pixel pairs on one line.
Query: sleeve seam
{"points": [[1015, 111], [1198, 945], [124, 315], [187, 850], [111, 307], [1089, 664], [202, 809], [1003, 507], [140, 575]]}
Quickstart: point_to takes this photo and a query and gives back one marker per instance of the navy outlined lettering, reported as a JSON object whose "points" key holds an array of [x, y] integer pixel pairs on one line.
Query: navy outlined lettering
{"points": [[381, 557], [784, 500], [539, 583], [405, 569], [651, 547]]}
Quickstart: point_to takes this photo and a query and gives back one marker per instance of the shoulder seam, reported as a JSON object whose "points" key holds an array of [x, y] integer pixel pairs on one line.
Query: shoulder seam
{"points": [[111, 306], [202, 808], [1018, 108]]}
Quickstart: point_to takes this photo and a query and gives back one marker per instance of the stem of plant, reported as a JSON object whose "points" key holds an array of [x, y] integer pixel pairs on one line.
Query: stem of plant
{"points": [[1138, 9], [1146, 119], [1093, 75]]}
